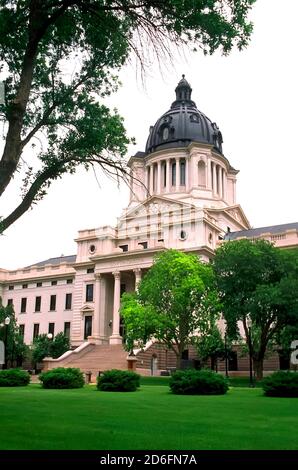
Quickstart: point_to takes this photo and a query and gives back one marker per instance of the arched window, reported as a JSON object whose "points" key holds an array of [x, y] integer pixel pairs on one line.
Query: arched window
{"points": [[173, 174], [164, 171], [182, 172], [202, 174]]}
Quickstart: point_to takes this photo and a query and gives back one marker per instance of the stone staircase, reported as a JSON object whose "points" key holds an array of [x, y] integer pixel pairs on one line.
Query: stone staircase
{"points": [[91, 358]]}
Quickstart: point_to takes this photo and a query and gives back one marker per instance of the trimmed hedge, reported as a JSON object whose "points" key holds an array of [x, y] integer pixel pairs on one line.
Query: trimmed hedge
{"points": [[118, 381], [281, 384], [14, 378], [62, 378], [198, 382]]}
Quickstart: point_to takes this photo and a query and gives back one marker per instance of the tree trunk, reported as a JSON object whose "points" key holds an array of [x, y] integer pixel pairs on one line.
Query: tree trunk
{"points": [[258, 368]]}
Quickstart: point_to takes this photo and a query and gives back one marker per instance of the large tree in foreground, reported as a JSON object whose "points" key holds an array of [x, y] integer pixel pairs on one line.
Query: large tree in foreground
{"points": [[59, 57], [258, 285], [175, 299]]}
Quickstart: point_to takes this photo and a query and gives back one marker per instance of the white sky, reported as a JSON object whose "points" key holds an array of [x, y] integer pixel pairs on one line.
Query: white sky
{"points": [[251, 95]]}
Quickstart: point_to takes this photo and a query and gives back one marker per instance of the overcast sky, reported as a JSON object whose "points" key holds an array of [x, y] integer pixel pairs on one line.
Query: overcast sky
{"points": [[251, 95]]}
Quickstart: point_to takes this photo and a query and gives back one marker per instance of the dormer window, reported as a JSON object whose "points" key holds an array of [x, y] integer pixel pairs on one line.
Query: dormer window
{"points": [[165, 133]]}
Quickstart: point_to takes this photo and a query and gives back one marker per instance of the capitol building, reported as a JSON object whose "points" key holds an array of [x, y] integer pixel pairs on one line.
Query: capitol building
{"points": [[182, 196]]}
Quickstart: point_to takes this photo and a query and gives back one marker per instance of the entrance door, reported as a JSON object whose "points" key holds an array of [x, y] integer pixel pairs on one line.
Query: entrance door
{"points": [[88, 327], [153, 365]]}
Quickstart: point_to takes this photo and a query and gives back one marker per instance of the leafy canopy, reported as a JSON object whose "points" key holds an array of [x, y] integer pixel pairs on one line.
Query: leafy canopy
{"points": [[258, 284], [59, 59], [174, 299]]}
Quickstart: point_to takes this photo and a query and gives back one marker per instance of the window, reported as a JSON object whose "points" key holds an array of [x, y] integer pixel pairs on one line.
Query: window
{"points": [[183, 235], [51, 328], [88, 327], [90, 270], [10, 287], [37, 303], [25, 286], [165, 134], [202, 174], [39, 284], [122, 289], [164, 167], [53, 302], [23, 304], [173, 174], [123, 247], [92, 249], [68, 281], [182, 173], [89, 293], [67, 329], [35, 330], [53, 283], [68, 300], [22, 330], [10, 302], [144, 245]]}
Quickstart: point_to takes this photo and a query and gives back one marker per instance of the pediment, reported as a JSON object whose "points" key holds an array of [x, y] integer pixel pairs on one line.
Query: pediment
{"points": [[235, 212], [87, 309], [155, 205]]}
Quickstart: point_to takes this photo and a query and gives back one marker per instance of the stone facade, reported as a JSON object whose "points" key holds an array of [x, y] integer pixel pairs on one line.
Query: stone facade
{"points": [[183, 196]]}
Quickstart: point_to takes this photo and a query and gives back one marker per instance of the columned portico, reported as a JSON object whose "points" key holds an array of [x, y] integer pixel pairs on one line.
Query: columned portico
{"points": [[116, 338]]}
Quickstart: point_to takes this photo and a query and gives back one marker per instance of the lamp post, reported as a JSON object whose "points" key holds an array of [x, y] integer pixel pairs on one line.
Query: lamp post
{"points": [[251, 380], [6, 324]]}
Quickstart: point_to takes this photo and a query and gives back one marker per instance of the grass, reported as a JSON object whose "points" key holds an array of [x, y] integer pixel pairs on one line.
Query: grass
{"points": [[151, 418]]}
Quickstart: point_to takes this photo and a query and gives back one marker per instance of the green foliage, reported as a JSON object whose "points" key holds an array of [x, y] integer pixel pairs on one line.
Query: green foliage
{"points": [[62, 378], [281, 384], [60, 59], [118, 381], [257, 283], [16, 350], [198, 382], [174, 299], [59, 345], [45, 347], [14, 378]]}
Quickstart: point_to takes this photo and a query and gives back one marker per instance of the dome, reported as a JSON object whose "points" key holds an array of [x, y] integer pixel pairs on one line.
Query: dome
{"points": [[183, 124]]}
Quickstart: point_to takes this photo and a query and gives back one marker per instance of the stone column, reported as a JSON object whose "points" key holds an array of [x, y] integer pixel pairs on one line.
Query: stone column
{"points": [[138, 276], [214, 179], [158, 183], [209, 175], [151, 180], [96, 332], [177, 174], [224, 196], [168, 175], [220, 181], [186, 174], [116, 338], [147, 180]]}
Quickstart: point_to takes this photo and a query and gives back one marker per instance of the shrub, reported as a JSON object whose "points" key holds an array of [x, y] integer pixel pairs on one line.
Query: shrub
{"points": [[118, 381], [281, 384], [14, 378], [62, 378], [198, 382]]}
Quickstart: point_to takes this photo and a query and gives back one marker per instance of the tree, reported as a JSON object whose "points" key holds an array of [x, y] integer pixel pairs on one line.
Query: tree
{"points": [[60, 57], [210, 344], [46, 347], [258, 285], [15, 348], [173, 300]]}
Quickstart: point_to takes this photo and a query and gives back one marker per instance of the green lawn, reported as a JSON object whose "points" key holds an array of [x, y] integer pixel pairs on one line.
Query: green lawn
{"points": [[152, 418]]}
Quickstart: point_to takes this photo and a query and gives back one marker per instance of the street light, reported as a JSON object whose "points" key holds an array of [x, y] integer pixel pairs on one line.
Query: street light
{"points": [[251, 380], [226, 356], [50, 335]]}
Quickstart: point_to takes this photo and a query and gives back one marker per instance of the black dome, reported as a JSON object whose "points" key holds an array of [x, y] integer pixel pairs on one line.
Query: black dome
{"points": [[183, 124]]}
